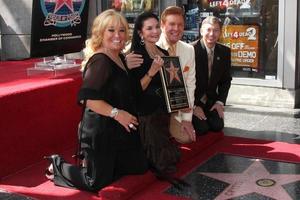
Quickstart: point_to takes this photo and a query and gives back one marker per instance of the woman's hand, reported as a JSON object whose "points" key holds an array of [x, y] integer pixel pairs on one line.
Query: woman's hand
{"points": [[157, 63], [134, 60], [127, 120], [101, 107]]}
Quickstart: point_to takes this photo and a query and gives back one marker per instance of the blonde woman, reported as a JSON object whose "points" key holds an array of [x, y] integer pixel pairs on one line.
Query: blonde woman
{"points": [[109, 141]]}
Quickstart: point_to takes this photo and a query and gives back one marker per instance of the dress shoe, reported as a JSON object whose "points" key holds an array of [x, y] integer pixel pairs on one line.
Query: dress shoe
{"points": [[49, 172]]}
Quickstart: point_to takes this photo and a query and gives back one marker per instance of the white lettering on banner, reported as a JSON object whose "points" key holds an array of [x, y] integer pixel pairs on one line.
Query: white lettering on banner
{"points": [[243, 42], [240, 45], [250, 34], [215, 3], [227, 3], [246, 54], [243, 34], [235, 34], [236, 60], [61, 36], [72, 37], [226, 35], [47, 39], [248, 60]]}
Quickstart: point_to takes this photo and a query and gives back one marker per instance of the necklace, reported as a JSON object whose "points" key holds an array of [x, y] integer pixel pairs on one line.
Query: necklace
{"points": [[113, 56], [153, 51]]}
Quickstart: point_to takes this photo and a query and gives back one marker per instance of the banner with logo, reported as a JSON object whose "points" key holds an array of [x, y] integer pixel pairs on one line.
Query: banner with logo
{"points": [[58, 27], [222, 4], [244, 43]]}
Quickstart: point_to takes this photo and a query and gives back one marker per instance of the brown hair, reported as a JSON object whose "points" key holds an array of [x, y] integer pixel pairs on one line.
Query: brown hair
{"points": [[171, 10]]}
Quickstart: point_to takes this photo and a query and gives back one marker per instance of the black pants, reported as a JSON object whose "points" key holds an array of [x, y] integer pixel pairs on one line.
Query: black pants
{"points": [[212, 123]]}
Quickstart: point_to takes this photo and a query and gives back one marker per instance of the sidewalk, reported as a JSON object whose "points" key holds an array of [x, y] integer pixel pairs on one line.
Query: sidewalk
{"points": [[266, 123]]}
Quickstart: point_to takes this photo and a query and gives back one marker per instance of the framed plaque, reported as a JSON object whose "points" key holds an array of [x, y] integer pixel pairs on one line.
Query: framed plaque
{"points": [[173, 84]]}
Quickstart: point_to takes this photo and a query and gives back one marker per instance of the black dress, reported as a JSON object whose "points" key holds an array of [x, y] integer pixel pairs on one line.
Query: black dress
{"points": [[154, 119], [109, 149]]}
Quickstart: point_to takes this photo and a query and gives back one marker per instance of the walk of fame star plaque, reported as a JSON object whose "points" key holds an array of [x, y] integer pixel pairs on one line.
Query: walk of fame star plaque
{"points": [[226, 176], [173, 84]]}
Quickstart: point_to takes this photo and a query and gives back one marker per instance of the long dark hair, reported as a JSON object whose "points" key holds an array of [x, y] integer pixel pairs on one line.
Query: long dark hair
{"points": [[138, 25]]}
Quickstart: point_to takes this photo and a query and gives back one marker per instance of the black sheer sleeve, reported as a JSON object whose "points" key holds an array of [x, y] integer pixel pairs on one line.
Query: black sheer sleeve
{"points": [[98, 71]]}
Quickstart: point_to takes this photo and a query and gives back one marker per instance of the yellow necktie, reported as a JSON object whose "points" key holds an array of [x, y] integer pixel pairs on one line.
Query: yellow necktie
{"points": [[172, 50]]}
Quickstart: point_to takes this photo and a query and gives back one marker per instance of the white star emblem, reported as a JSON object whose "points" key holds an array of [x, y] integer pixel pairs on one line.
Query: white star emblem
{"points": [[255, 179]]}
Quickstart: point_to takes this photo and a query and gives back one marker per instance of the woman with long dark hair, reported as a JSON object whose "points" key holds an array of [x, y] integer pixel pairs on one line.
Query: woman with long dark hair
{"points": [[154, 118]]}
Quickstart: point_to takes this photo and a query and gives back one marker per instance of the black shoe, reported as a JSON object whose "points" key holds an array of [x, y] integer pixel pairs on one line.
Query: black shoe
{"points": [[49, 172], [51, 158]]}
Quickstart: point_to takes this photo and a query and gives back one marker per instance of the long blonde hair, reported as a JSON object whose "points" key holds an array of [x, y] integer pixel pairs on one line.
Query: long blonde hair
{"points": [[100, 23]]}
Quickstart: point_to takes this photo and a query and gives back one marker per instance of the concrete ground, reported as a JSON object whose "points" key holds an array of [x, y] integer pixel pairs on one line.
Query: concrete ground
{"points": [[267, 123]]}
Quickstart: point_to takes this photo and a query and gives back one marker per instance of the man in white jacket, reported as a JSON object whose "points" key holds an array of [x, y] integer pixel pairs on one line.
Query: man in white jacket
{"points": [[172, 25]]}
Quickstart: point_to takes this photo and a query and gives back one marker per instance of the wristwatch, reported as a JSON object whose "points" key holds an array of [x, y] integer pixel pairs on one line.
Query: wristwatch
{"points": [[114, 112]]}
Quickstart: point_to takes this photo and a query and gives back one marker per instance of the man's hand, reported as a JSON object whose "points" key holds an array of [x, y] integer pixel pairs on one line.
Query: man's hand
{"points": [[187, 127], [198, 112], [219, 108], [134, 60]]}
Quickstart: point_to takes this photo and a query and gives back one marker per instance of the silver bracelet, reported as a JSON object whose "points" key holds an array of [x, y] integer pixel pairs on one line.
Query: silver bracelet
{"points": [[114, 112]]}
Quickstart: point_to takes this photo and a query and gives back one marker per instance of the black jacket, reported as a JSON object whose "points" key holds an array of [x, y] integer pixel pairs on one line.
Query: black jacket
{"points": [[217, 87]]}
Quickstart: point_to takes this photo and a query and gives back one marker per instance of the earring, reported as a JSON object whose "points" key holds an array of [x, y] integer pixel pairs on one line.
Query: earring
{"points": [[142, 42]]}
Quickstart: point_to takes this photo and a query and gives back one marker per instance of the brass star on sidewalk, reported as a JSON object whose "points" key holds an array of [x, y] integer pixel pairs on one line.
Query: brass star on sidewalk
{"points": [[255, 179], [173, 71]]}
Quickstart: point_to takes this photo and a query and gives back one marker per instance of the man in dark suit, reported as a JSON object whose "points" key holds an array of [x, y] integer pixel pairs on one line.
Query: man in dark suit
{"points": [[213, 78]]}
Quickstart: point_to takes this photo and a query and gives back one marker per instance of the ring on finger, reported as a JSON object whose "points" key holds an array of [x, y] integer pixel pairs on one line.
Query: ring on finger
{"points": [[130, 125]]}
